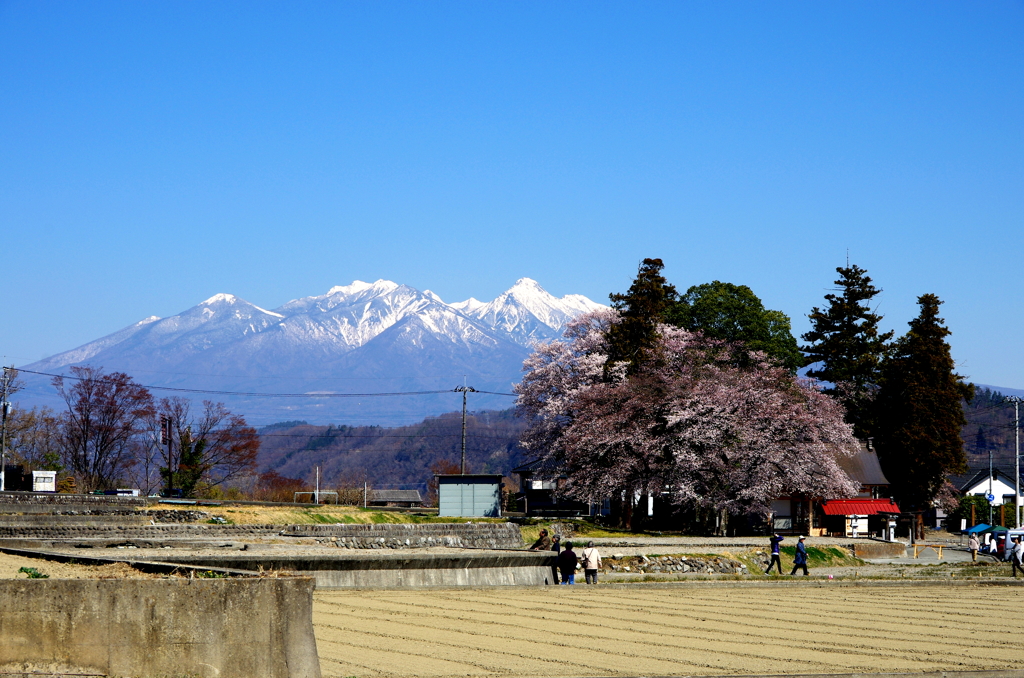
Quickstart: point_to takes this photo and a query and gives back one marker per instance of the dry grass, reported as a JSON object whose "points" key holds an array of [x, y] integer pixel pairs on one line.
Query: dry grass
{"points": [[11, 564]]}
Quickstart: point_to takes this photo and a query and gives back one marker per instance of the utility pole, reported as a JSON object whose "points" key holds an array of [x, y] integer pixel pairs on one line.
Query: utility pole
{"points": [[166, 437], [990, 494], [1016, 400], [464, 390], [5, 409]]}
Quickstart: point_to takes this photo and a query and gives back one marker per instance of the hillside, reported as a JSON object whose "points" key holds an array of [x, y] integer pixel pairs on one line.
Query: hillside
{"points": [[385, 457], [989, 429]]}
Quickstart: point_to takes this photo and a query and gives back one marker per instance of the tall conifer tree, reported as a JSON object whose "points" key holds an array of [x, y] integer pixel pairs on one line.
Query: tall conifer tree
{"points": [[919, 410], [845, 342], [640, 309]]}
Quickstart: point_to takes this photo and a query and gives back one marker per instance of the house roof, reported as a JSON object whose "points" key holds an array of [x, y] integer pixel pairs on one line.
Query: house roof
{"points": [[528, 467], [982, 477], [412, 496], [863, 467], [859, 507]]}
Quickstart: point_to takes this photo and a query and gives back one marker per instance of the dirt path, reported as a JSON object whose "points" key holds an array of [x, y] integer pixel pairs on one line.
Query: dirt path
{"points": [[689, 630]]}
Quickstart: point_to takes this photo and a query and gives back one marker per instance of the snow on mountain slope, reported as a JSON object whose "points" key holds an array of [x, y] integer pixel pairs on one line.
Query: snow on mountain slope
{"points": [[527, 313], [222, 319], [86, 352], [355, 314]]}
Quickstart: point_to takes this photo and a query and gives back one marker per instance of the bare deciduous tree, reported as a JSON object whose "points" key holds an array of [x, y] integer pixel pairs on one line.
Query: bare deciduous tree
{"points": [[105, 414]]}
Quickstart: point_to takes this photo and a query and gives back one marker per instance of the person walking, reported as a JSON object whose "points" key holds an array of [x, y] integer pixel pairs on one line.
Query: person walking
{"points": [[591, 563], [1017, 557], [567, 562], [800, 560], [776, 540], [973, 545]]}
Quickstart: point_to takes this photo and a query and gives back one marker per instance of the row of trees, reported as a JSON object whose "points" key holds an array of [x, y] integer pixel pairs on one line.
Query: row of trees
{"points": [[698, 394], [904, 394], [114, 433]]}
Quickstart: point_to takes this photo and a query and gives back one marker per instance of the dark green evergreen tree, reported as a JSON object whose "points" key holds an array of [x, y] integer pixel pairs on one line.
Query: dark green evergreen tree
{"points": [[641, 309], [919, 410], [734, 313], [845, 345]]}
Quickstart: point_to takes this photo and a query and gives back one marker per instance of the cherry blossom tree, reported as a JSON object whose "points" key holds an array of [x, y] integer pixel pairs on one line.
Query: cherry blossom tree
{"points": [[715, 432]]}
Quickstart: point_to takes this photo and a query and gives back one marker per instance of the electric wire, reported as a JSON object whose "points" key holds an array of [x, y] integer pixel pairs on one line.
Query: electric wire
{"points": [[267, 395]]}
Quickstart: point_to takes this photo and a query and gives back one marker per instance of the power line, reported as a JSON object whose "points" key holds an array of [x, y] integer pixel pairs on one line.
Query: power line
{"points": [[338, 437], [271, 395]]}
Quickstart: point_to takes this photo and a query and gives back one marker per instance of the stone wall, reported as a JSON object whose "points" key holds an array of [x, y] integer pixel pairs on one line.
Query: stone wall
{"points": [[228, 628], [405, 536], [8, 500], [128, 532], [673, 565]]}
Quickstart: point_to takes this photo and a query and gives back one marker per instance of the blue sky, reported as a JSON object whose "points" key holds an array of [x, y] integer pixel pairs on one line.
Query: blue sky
{"points": [[153, 154]]}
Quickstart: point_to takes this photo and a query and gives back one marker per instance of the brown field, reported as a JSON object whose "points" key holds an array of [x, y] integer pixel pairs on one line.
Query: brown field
{"points": [[667, 630]]}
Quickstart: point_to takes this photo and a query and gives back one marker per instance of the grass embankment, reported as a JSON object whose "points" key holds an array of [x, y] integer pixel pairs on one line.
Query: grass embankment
{"points": [[822, 556], [581, 531], [324, 514]]}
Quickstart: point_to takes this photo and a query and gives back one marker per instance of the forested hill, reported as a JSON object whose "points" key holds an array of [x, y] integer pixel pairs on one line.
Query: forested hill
{"points": [[989, 428], [387, 457]]}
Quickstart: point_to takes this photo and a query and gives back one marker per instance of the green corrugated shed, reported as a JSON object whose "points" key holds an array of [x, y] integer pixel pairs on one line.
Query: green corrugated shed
{"points": [[469, 496]]}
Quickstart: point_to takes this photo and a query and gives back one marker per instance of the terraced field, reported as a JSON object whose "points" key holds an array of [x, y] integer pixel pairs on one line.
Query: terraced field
{"points": [[665, 630]]}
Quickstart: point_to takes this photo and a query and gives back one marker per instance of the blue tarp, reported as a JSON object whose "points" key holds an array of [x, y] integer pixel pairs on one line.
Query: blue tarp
{"points": [[980, 527]]}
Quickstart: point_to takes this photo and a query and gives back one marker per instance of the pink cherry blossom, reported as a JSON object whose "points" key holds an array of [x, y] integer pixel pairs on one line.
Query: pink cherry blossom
{"points": [[696, 422]]}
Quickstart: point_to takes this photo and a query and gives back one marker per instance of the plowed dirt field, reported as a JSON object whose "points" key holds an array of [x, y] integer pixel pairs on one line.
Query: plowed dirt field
{"points": [[663, 631]]}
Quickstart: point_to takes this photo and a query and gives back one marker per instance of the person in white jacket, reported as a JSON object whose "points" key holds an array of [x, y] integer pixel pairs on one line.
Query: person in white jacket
{"points": [[1017, 556], [591, 563]]}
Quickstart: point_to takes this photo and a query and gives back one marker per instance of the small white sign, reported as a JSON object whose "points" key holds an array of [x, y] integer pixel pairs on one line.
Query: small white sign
{"points": [[963, 524]]}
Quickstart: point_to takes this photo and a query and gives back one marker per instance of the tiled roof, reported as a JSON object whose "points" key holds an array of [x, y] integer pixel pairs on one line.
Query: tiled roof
{"points": [[859, 507]]}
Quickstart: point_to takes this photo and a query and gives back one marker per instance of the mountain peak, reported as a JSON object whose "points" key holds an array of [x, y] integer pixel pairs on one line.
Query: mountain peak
{"points": [[358, 286], [220, 298]]}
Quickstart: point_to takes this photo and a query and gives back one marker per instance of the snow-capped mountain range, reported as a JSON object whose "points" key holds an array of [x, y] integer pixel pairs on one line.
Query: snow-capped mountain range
{"points": [[358, 338]]}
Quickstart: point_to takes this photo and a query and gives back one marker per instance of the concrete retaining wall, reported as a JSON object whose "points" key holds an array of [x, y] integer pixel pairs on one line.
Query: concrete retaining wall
{"points": [[244, 628], [879, 549], [378, 569], [405, 536]]}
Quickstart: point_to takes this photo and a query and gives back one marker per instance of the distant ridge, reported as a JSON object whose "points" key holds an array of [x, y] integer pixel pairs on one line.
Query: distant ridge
{"points": [[1003, 389]]}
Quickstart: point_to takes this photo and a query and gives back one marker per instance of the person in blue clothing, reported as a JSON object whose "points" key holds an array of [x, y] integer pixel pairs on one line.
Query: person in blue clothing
{"points": [[800, 560], [776, 539]]}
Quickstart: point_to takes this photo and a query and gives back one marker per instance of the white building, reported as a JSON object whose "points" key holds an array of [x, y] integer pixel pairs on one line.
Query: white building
{"points": [[1001, 486]]}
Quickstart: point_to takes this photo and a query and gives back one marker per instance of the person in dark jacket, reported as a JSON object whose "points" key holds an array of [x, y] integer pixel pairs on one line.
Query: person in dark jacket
{"points": [[567, 562], [556, 546], [543, 542], [775, 540], [800, 560]]}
